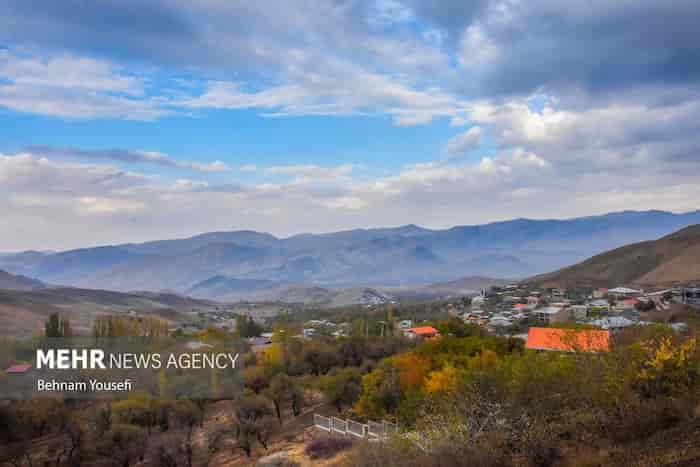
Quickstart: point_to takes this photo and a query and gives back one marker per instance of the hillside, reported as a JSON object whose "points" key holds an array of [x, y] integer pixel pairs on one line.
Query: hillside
{"points": [[467, 284], [673, 259], [229, 265], [17, 282], [23, 312]]}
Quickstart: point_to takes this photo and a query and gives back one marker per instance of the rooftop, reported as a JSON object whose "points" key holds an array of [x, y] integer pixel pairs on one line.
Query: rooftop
{"points": [[15, 369], [568, 340], [423, 331]]}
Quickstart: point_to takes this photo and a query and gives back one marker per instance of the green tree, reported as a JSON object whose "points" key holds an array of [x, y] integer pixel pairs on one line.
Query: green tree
{"points": [[57, 326], [342, 388]]}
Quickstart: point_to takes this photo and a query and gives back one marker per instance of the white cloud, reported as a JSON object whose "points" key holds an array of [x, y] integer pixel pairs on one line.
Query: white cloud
{"points": [[464, 142], [36, 193], [476, 49], [339, 88], [127, 156], [73, 87], [389, 12], [311, 170]]}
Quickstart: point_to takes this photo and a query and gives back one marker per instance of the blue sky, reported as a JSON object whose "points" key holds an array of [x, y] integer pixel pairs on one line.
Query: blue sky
{"points": [[134, 120]]}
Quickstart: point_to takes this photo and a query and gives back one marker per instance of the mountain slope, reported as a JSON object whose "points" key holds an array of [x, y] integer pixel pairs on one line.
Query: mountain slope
{"points": [[16, 282], [23, 312], [673, 259], [393, 257]]}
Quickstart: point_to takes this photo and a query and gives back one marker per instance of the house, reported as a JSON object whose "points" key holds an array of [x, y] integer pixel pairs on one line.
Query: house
{"points": [[568, 340], [425, 332], [691, 296], [600, 293], [405, 324], [500, 322], [258, 344], [623, 292], [627, 304], [599, 305], [579, 312], [557, 293], [18, 369], [548, 314], [613, 323], [197, 345], [533, 301]]}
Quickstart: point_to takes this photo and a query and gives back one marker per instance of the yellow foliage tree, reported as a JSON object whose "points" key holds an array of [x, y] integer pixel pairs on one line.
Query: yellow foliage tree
{"points": [[442, 381]]}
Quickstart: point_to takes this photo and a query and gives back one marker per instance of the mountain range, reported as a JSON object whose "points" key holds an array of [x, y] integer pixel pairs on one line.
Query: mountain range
{"points": [[16, 282], [237, 264], [670, 260]]}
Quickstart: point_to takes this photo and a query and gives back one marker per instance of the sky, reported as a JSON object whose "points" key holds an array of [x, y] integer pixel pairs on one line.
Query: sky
{"points": [[135, 120]]}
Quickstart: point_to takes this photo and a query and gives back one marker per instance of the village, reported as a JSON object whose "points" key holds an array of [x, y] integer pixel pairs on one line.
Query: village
{"points": [[515, 310]]}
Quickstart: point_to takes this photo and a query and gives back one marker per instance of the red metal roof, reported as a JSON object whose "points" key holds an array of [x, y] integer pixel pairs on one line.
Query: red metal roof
{"points": [[568, 340], [423, 331], [18, 369]]}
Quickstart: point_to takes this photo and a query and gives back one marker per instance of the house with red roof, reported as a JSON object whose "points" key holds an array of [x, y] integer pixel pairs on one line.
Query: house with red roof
{"points": [[18, 369], [568, 340], [425, 332]]}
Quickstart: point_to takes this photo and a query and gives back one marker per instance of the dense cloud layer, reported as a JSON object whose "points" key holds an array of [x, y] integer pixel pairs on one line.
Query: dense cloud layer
{"points": [[558, 108]]}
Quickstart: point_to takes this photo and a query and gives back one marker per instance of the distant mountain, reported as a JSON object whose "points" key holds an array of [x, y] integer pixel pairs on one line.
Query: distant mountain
{"points": [[671, 260], [231, 289], [221, 265], [468, 284], [16, 282]]}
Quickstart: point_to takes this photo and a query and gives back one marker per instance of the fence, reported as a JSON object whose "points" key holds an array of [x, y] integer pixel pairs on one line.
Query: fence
{"points": [[371, 430], [322, 423]]}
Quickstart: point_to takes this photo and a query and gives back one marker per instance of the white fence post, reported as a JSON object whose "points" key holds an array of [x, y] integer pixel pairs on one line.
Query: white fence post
{"points": [[323, 423], [339, 426], [371, 430]]}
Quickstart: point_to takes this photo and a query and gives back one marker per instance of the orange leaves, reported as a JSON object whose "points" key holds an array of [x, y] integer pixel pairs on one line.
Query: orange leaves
{"points": [[412, 370]]}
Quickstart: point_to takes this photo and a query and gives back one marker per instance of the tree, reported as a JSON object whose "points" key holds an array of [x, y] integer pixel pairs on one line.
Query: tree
{"points": [[187, 416], [256, 378], [278, 391], [57, 327], [381, 391], [442, 381], [296, 398], [124, 445], [342, 388], [247, 327], [249, 410]]}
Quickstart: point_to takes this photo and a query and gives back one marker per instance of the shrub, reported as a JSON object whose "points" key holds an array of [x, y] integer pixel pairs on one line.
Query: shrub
{"points": [[325, 448]]}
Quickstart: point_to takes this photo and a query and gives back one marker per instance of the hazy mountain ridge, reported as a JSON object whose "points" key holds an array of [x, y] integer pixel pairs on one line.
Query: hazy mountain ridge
{"points": [[17, 282], [670, 260], [402, 256]]}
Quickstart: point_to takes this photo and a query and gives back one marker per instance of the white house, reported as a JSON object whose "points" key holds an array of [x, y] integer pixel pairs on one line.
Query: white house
{"points": [[547, 314], [623, 291], [579, 312], [613, 323]]}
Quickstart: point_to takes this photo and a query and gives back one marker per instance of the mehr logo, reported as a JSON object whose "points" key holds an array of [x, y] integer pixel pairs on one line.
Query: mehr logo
{"points": [[92, 359], [70, 359]]}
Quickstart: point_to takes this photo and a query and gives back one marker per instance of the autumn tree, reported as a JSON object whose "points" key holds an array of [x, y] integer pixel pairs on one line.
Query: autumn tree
{"points": [[342, 387], [57, 326]]}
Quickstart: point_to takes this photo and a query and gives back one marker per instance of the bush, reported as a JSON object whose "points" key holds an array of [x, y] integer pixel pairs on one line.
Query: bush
{"points": [[325, 448]]}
